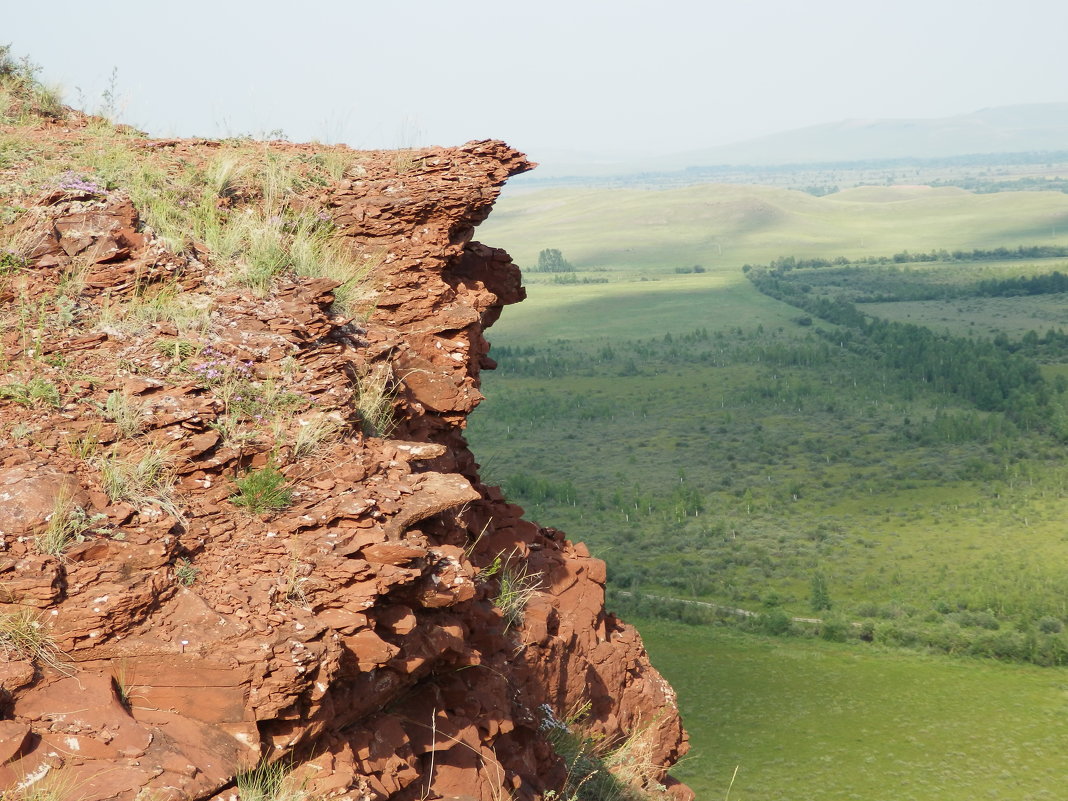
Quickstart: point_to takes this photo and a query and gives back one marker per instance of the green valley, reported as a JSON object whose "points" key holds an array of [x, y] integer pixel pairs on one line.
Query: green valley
{"points": [[810, 719], [733, 437]]}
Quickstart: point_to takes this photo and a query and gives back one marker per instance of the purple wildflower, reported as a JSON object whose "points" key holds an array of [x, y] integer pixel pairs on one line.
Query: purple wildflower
{"points": [[71, 181]]}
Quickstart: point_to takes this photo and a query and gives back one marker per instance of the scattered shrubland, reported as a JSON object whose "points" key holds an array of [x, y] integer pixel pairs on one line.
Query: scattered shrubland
{"points": [[919, 471], [841, 544]]}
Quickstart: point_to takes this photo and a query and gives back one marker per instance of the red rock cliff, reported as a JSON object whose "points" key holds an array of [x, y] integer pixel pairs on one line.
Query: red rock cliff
{"points": [[353, 632]]}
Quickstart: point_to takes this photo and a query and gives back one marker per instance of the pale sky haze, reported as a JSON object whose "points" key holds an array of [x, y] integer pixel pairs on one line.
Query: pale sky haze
{"points": [[612, 78]]}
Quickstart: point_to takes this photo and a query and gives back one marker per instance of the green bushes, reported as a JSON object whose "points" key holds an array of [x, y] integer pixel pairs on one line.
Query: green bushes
{"points": [[551, 260], [906, 496], [949, 637], [820, 598], [975, 634], [835, 629], [776, 622], [525, 488], [1050, 625]]}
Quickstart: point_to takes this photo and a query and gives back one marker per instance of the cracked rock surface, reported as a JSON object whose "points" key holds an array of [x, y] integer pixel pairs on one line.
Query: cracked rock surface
{"points": [[349, 631]]}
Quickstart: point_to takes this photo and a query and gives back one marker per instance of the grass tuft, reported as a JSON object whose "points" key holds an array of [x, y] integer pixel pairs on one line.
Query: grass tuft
{"points": [[67, 524], [147, 481], [22, 95], [314, 433], [184, 572], [84, 446], [517, 584], [166, 303], [598, 770], [22, 636], [262, 490], [53, 785], [124, 413], [230, 178], [270, 781], [374, 398]]}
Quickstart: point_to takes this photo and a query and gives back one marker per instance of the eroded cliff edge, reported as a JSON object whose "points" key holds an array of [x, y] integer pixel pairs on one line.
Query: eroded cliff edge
{"points": [[352, 633]]}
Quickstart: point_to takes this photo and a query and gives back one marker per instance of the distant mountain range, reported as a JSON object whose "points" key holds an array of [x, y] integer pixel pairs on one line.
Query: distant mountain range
{"points": [[1004, 129]]}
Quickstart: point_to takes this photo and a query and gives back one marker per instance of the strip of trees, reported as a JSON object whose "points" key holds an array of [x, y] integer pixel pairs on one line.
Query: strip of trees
{"points": [[985, 372], [552, 260]]}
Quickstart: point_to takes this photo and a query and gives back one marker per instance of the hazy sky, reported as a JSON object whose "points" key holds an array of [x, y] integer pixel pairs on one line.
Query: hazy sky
{"points": [[587, 75]]}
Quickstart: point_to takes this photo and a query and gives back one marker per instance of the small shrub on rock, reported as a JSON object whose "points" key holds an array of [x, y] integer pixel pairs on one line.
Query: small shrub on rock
{"points": [[262, 490]]}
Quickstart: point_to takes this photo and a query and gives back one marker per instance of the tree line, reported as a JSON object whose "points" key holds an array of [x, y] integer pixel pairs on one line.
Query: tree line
{"points": [[983, 372], [1021, 252]]}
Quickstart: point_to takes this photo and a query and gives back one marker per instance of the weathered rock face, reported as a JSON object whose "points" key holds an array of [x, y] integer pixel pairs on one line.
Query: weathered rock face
{"points": [[185, 638]]}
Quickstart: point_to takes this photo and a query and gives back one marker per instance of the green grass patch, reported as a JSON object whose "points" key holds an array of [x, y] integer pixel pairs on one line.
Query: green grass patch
{"points": [[673, 304], [35, 392], [262, 490], [812, 719]]}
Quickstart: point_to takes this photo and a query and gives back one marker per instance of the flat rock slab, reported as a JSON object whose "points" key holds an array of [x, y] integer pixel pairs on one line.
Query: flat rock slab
{"points": [[433, 494], [31, 493]]}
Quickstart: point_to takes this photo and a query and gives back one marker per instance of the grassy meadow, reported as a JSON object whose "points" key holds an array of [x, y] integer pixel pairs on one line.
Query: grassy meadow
{"points": [[987, 316], [722, 226], [803, 719], [631, 309], [712, 442]]}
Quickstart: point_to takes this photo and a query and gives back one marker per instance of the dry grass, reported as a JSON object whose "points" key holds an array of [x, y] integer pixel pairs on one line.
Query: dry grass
{"points": [[131, 315], [296, 579], [406, 159], [316, 254], [631, 761], [145, 481], [337, 163], [84, 447], [23, 636], [270, 781], [374, 396], [45, 784], [602, 770], [16, 243], [230, 177], [314, 433]]}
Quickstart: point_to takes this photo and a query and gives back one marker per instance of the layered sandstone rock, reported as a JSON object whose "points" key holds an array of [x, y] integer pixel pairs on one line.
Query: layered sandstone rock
{"points": [[349, 633]]}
